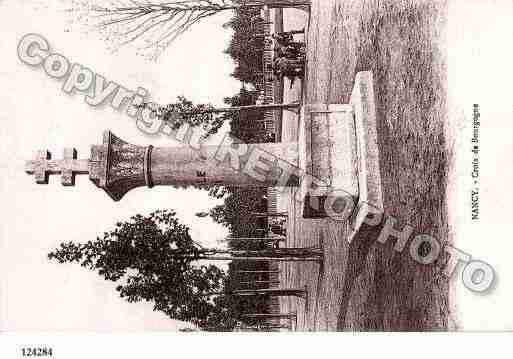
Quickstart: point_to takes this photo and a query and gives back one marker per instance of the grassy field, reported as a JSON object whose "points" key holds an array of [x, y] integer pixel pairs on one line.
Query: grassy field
{"points": [[366, 285]]}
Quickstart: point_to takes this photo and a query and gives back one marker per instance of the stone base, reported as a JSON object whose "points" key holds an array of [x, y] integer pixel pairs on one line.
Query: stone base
{"points": [[339, 150], [370, 199]]}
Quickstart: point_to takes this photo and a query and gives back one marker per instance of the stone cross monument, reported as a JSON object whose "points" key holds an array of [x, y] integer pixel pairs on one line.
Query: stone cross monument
{"points": [[337, 148], [118, 167]]}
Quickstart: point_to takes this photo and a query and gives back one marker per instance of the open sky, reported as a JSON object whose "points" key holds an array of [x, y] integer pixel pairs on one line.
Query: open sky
{"points": [[36, 294]]}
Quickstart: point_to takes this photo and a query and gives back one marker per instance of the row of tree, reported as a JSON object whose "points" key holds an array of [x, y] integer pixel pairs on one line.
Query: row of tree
{"points": [[153, 257], [246, 49]]}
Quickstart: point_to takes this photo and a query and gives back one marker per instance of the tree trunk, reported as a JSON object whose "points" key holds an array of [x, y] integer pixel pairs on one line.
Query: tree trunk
{"points": [[266, 107], [270, 282], [271, 316], [281, 292], [259, 328], [271, 253], [265, 215], [256, 239], [258, 271], [273, 4], [278, 254], [265, 255], [270, 106], [261, 259], [269, 292]]}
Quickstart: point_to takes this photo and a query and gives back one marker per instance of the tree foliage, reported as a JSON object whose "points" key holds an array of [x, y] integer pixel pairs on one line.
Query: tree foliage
{"points": [[247, 126], [185, 112], [246, 46], [235, 212], [151, 259]]}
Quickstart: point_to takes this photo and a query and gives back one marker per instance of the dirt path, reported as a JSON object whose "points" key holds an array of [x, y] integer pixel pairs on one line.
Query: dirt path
{"points": [[368, 286]]}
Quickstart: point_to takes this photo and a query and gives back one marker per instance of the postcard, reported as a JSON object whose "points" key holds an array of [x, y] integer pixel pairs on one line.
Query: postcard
{"points": [[256, 166]]}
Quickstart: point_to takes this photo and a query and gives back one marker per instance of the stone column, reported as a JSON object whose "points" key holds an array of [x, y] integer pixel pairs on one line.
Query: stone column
{"points": [[248, 165], [118, 167], [122, 166]]}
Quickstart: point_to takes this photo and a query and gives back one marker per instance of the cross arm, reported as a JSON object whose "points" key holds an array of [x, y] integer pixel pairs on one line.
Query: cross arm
{"points": [[43, 166]]}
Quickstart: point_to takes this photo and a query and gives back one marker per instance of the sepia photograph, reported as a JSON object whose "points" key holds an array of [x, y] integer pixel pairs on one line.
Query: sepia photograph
{"points": [[277, 166]]}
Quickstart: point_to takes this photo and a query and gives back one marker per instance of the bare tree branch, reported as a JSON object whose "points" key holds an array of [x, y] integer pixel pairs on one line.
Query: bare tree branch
{"points": [[152, 26]]}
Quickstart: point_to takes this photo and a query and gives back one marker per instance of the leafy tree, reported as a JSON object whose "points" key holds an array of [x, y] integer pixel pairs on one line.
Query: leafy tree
{"points": [[151, 259], [246, 47], [184, 111], [245, 126], [145, 257], [235, 212], [244, 116]]}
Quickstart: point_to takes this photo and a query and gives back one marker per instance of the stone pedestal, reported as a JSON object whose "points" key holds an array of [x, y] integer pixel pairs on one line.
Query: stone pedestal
{"points": [[370, 193], [339, 152]]}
